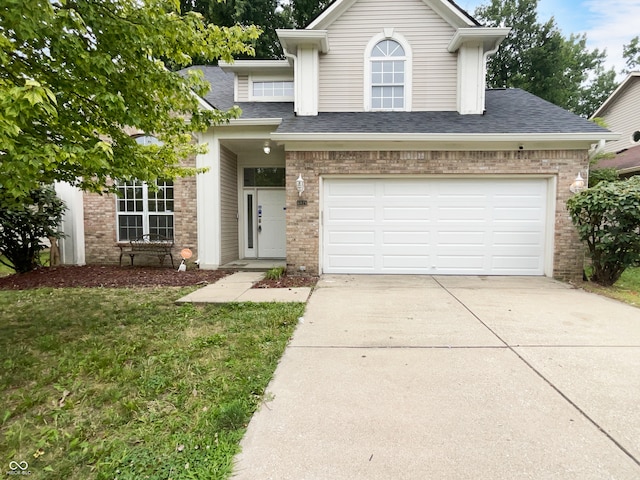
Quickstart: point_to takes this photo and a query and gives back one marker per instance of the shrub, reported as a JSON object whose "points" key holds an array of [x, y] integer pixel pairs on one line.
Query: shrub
{"points": [[24, 227], [608, 220]]}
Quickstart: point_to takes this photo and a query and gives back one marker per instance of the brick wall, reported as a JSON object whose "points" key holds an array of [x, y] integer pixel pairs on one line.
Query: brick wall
{"points": [[100, 225], [303, 221]]}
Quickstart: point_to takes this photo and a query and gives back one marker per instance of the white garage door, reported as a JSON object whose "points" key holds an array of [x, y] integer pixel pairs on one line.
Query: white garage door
{"points": [[434, 226]]}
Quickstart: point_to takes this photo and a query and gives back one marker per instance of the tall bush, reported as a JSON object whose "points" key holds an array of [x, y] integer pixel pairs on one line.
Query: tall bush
{"points": [[23, 227], [608, 220]]}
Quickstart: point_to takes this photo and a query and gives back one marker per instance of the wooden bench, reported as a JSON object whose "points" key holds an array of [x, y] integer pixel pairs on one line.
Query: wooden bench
{"points": [[150, 245]]}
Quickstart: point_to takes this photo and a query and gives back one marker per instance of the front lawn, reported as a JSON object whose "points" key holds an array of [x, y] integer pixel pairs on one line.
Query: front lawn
{"points": [[122, 383], [627, 289]]}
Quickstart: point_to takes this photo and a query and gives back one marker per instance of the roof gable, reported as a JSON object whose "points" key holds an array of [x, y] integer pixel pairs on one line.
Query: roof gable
{"points": [[448, 10], [617, 94]]}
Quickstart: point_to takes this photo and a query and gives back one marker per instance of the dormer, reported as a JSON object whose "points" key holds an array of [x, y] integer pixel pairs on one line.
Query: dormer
{"points": [[262, 80]]}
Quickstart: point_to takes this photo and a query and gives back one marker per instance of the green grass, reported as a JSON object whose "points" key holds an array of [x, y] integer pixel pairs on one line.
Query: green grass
{"points": [[122, 383], [627, 289]]}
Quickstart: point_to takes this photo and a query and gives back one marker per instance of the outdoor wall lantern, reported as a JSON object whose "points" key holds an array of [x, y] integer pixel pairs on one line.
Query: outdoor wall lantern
{"points": [[266, 148], [300, 185], [578, 184]]}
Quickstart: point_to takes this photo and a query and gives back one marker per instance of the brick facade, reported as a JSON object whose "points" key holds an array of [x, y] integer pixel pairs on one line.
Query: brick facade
{"points": [[303, 221], [100, 225]]}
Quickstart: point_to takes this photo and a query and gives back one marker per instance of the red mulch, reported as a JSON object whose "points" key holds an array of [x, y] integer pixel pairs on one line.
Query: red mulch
{"points": [[109, 276]]}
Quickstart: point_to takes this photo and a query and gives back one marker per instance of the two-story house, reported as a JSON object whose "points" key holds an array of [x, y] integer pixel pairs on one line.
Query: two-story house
{"points": [[374, 147]]}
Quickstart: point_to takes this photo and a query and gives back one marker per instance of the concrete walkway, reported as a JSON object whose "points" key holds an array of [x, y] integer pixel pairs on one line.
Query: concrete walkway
{"points": [[237, 288], [452, 378]]}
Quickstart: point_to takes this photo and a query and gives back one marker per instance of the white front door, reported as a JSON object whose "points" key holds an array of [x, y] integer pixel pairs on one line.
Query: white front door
{"points": [[265, 223]]}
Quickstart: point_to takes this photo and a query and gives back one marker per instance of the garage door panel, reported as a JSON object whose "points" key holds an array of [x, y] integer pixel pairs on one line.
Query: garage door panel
{"points": [[405, 238], [409, 262], [456, 239], [522, 214], [435, 226], [518, 237], [466, 214], [352, 214], [351, 237], [406, 214]]}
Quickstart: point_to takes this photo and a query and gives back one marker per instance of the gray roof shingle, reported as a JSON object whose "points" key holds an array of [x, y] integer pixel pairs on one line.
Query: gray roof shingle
{"points": [[508, 111]]}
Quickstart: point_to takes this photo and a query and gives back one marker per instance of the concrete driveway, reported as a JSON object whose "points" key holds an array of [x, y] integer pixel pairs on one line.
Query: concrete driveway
{"points": [[414, 377]]}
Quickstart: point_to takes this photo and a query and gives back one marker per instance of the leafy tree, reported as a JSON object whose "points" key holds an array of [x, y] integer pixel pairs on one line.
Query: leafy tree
{"points": [[303, 12], [79, 75], [22, 227], [631, 54], [608, 220], [267, 14], [536, 57]]}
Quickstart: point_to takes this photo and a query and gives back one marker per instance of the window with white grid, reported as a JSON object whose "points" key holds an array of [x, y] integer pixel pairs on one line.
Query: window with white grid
{"points": [[143, 210], [388, 76], [273, 89]]}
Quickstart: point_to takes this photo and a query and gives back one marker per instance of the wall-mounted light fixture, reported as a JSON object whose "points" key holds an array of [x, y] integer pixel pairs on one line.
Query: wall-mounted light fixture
{"points": [[266, 148], [578, 184], [300, 185]]}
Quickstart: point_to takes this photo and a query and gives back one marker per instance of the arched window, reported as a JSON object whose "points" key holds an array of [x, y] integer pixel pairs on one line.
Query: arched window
{"points": [[388, 73]]}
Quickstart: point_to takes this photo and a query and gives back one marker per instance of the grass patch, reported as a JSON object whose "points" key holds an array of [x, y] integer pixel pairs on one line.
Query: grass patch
{"points": [[123, 383], [627, 289]]}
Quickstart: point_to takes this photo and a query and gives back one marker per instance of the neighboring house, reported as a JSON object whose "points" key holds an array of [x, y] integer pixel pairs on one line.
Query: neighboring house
{"points": [[409, 165], [621, 113]]}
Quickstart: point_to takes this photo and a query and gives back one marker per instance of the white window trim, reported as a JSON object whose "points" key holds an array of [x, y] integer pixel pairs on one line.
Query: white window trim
{"points": [[145, 213], [256, 79], [389, 34]]}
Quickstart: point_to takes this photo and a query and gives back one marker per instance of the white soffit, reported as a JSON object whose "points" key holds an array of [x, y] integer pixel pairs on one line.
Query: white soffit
{"points": [[490, 37]]}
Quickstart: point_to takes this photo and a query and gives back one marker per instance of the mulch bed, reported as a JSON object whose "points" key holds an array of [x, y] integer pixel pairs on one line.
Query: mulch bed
{"points": [[109, 276]]}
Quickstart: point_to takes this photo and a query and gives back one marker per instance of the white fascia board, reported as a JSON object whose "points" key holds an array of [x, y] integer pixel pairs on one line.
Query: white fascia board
{"points": [[466, 142], [262, 66], [615, 94], [292, 39], [445, 9], [326, 18], [452, 15], [462, 137], [253, 122], [490, 37], [202, 102]]}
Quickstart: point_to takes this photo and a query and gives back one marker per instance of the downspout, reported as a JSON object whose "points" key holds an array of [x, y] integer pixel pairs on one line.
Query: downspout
{"points": [[485, 58]]}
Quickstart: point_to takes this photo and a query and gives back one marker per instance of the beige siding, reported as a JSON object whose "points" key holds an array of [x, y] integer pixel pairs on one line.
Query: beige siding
{"points": [[243, 88], [434, 69], [228, 206], [623, 117]]}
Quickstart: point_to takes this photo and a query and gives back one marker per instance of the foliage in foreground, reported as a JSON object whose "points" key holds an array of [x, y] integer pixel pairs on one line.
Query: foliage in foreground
{"points": [[108, 383], [24, 226], [79, 77], [538, 58], [608, 220]]}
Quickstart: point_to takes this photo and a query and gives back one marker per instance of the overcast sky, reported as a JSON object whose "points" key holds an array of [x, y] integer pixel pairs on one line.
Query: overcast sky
{"points": [[609, 24]]}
